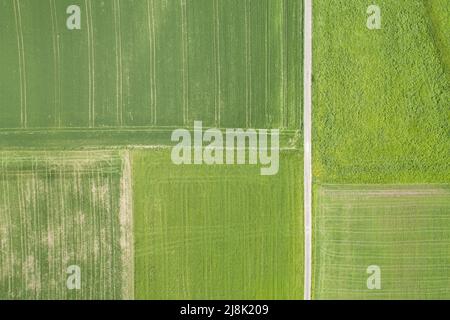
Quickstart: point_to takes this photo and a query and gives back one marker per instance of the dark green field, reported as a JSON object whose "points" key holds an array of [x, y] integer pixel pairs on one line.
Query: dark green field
{"points": [[138, 68]]}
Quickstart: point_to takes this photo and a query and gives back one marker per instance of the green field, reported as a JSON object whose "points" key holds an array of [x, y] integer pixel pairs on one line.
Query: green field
{"points": [[140, 227], [381, 149], [63, 209], [137, 70], [381, 97], [141, 67], [405, 230], [217, 232]]}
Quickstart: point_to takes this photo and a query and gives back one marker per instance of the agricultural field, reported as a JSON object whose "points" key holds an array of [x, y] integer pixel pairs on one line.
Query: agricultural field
{"points": [[381, 142], [65, 209], [139, 68], [86, 113], [381, 97], [404, 230], [217, 232]]}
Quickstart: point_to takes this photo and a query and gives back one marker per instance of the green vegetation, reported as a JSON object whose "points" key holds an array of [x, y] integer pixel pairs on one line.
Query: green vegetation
{"points": [[139, 67], [65, 209], [439, 13], [381, 97], [405, 230], [137, 70], [217, 232], [381, 117]]}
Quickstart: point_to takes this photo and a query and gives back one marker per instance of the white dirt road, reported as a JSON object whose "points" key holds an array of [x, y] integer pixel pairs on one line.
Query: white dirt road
{"points": [[307, 83]]}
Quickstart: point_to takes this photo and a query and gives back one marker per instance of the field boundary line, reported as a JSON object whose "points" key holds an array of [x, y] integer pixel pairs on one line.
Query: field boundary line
{"points": [[127, 227], [307, 87]]}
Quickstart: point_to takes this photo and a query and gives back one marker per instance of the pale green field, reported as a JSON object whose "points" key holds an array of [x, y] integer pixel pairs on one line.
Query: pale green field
{"points": [[63, 209], [217, 232], [405, 230]]}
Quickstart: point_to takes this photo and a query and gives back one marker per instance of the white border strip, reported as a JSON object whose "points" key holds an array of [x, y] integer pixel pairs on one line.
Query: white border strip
{"points": [[307, 85]]}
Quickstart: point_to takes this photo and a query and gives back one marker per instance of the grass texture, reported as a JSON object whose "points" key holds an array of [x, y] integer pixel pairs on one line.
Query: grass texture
{"points": [[139, 67], [381, 97], [217, 232], [404, 230]]}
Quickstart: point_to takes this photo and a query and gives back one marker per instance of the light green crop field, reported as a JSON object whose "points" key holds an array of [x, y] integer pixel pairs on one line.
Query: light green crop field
{"points": [[381, 150], [404, 230], [381, 97], [139, 68], [65, 209], [217, 232]]}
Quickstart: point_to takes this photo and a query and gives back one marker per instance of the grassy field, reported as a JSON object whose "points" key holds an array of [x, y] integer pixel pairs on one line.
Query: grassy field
{"points": [[140, 66], [439, 12], [381, 132], [381, 97], [405, 230], [217, 232], [64, 209]]}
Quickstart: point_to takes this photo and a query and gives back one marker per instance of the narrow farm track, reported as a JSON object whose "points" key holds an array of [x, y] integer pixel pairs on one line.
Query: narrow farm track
{"points": [[307, 144]]}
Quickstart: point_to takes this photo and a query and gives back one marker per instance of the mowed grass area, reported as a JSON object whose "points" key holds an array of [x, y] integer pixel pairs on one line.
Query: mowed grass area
{"points": [[141, 66], [217, 232], [62, 209], [381, 97], [405, 230]]}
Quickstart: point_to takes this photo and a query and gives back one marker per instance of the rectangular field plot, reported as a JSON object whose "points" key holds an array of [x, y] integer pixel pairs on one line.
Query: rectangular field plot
{"points": [[59, 210], [137, 66], [402, 230], [381, 97], [217, 232]]}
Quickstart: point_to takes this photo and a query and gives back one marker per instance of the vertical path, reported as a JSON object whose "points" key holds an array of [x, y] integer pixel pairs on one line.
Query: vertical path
{"points": [[126, 227], [217, 96], [307, 84], [185, 53], [119, 75], [56, 62], [22, 65], [91, 62]]}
